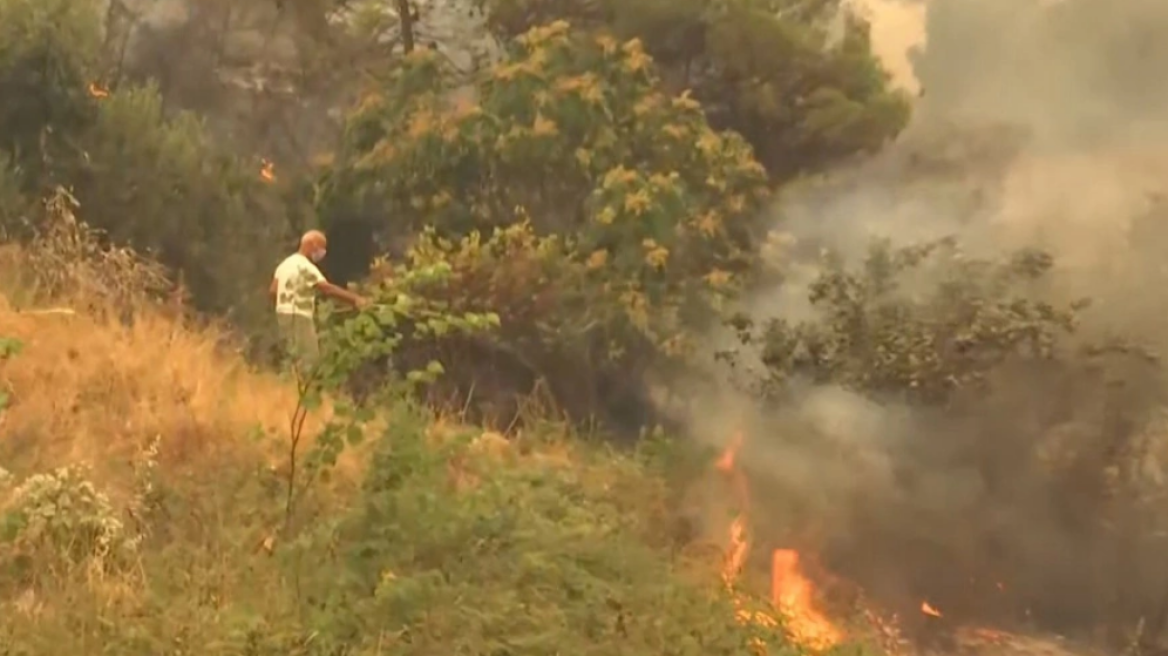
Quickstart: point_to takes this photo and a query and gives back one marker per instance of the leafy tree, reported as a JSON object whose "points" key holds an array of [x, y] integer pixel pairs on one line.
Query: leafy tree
{"points": [[646, 228], [161, 184], [779, 72], [884, 332], [148, 180], [48, 59]]}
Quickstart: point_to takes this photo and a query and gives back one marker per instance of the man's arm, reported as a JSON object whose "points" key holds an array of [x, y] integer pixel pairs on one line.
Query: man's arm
{"points": [[328, 289]]}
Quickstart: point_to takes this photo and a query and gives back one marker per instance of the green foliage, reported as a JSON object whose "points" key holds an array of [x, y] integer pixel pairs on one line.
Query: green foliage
{"points": [[9, 347], [553, 311], [923, 322], [395, 315], [455, 541], [353, 344], [771, 70], [48, 60], [60, 517], [148, 180], [647, 227], [375, 336], [458, 542], [457, 548], [161, 185], [590, 109]]}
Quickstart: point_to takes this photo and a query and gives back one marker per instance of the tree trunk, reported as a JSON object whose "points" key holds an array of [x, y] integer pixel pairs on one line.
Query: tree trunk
{"points": [[407, 25]]}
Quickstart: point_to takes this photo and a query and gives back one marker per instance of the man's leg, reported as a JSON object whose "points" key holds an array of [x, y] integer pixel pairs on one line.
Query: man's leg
{"points": [[289, 328], [307, 342]]}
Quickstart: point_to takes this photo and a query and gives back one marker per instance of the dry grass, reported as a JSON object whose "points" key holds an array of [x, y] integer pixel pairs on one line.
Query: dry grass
{"points": [[89, 390], [120, 367]]}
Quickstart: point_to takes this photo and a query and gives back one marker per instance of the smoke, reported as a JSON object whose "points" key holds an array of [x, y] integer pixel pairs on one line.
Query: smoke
{"points": [[1040, 125]]}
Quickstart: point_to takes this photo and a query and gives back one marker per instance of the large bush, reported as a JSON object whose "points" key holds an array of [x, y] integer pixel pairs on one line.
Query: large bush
{"points": [[149, 180], [162, 185], [782, 73], [603, 219], [48, 58]]}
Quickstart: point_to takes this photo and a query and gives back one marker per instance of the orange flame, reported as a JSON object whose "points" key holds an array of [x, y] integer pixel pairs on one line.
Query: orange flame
{"points": [[729, 457], [792, 592], [928, 609], [736, 553], [268, 171], [97, 91]]}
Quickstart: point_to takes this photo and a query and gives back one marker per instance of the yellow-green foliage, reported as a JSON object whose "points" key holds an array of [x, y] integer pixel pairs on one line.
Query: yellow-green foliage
{"points": [[798, 80], [626, 221], [573, 134]]}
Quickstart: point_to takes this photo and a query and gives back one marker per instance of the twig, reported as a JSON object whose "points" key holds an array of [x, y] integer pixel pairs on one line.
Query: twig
{"points": [[296, 432]]}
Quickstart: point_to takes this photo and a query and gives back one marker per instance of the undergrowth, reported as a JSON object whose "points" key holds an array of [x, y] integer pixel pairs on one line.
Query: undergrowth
{"points": [[152, 517]]}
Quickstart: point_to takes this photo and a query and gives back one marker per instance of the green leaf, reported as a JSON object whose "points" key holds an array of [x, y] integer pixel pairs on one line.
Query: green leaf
{"points": [[10, 347], [355, 435]]}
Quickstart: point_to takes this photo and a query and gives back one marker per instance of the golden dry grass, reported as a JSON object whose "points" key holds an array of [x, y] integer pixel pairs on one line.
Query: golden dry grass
{"points": [[91, 387], [94, 391]]}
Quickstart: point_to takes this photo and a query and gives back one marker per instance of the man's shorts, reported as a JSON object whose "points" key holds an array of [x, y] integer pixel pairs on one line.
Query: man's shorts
{"points": [[298, 334]]}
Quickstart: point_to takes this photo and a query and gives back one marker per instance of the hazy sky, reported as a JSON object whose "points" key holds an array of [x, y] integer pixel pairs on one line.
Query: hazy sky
{"points": [[897, 26]]}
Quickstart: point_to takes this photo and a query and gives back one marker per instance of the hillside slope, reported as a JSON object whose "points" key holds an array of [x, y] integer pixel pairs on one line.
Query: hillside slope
{"points": [[143, 513], [84, 390]]}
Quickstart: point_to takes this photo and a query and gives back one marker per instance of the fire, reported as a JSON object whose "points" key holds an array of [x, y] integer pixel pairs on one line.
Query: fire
{"points": [[729, 457], [736, 553], [268, 170], [97, 91], [928, 609], [792, 593]]}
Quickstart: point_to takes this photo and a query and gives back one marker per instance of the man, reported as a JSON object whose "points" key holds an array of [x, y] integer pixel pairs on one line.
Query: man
{"points": [[294, 287]]}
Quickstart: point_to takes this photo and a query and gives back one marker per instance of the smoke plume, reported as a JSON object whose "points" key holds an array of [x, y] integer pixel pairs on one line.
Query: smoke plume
{"points": [[1039, 125]]}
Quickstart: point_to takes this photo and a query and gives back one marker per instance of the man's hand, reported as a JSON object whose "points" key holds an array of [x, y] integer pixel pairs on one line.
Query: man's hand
{"points": [[361, 303], [340, 293]]}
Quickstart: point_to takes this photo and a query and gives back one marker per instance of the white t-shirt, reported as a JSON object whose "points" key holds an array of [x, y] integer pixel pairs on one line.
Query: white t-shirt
{"points": [[296, 281]]}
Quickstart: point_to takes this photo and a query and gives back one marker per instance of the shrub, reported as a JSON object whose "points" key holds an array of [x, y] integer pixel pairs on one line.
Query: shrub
{"points": [[48, 58], [144, 178], [652, 213], [61, 516], [160, 185], [798, 80], [457, 544]]}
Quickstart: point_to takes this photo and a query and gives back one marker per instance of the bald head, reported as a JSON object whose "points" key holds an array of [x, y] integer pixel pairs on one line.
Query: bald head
{"points": [[313, 245]]}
